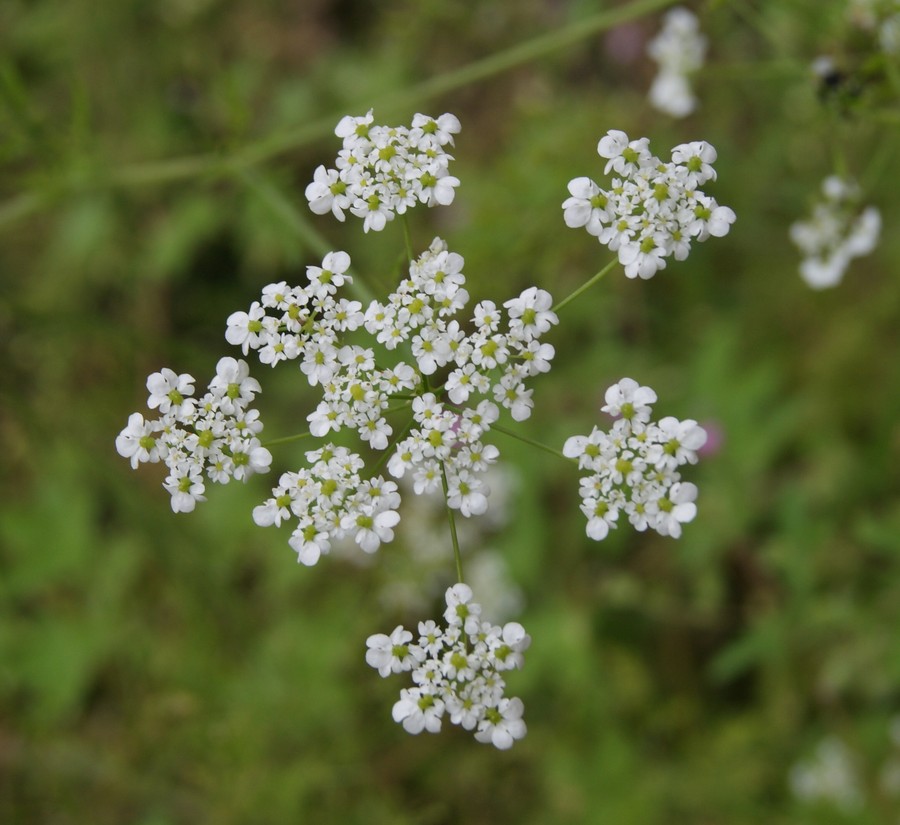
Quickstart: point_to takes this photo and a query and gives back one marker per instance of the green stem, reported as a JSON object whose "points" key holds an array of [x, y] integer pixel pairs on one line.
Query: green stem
{"points": [[404, 406], [522, 53], [451, 517], [757, 20], [879, 160], [216, 165], [586, 286], [409, 251], [287, 439], [524, 439]]}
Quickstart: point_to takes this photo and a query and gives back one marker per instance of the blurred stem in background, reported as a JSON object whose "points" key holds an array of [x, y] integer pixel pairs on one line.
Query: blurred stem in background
{"points": [[215, 166]]}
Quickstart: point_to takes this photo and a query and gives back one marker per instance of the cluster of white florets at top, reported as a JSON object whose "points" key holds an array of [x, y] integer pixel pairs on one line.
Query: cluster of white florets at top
{"points": [[456, 670], [443, 447], [679, 49], [382, 171], [653, 210], [836, 232], [215, 435], [634, 466]]}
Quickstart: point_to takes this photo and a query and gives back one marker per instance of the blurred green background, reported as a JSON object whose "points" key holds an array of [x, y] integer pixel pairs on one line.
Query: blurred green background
{"points": [[161, 669]]}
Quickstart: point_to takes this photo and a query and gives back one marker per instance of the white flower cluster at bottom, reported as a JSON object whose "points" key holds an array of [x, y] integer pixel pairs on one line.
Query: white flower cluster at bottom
{"points": [[456, 670]]}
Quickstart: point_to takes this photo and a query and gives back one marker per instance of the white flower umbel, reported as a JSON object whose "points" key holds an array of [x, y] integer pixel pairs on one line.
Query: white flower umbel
{"points": [[444, 441], [456, 671], [634, 466], [838, 231], [384, 170], [214, 435], [653, 210], [679, 49]]}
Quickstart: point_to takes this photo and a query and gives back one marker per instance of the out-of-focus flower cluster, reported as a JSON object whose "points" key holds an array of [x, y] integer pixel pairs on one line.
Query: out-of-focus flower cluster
{"points": [[679, 49], [837, 232], [833, 774], [881, 17], [456, 671], [634, 466], [830, 775], [443, 448], [382, 171], [653, 210], [214, 437]]}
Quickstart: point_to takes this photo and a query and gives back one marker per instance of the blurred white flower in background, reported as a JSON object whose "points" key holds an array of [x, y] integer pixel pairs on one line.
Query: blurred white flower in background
{"points": [[679, 49], [837, 232]]}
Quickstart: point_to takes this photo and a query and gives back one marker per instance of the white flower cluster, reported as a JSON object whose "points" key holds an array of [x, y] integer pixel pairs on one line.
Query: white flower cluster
{"points": [[384, 170], [653, 210], [215, 435], [679, 49], [831, 775], [443, 445], [331, 501], [456, 670], [836, 232], [634, 466]]}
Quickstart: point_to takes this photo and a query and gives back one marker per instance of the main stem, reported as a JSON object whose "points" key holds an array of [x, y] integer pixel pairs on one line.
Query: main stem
{"points": [[451, 517], [406, 237], [530, 441], [287, 439], [585, 286]]}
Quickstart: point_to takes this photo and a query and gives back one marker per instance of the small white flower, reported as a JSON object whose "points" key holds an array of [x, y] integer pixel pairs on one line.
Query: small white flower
{"points": [[247, 329], [309, 544], [503, 724], [418, 710], [393, 654], [467, 493], [169, 392], [461, 610], [679, 509], [186, 487], [630, 400], [371, 531], [138, 441]]}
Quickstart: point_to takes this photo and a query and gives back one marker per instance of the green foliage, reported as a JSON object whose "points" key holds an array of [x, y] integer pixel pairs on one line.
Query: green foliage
{"points": [[164, 669]]}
